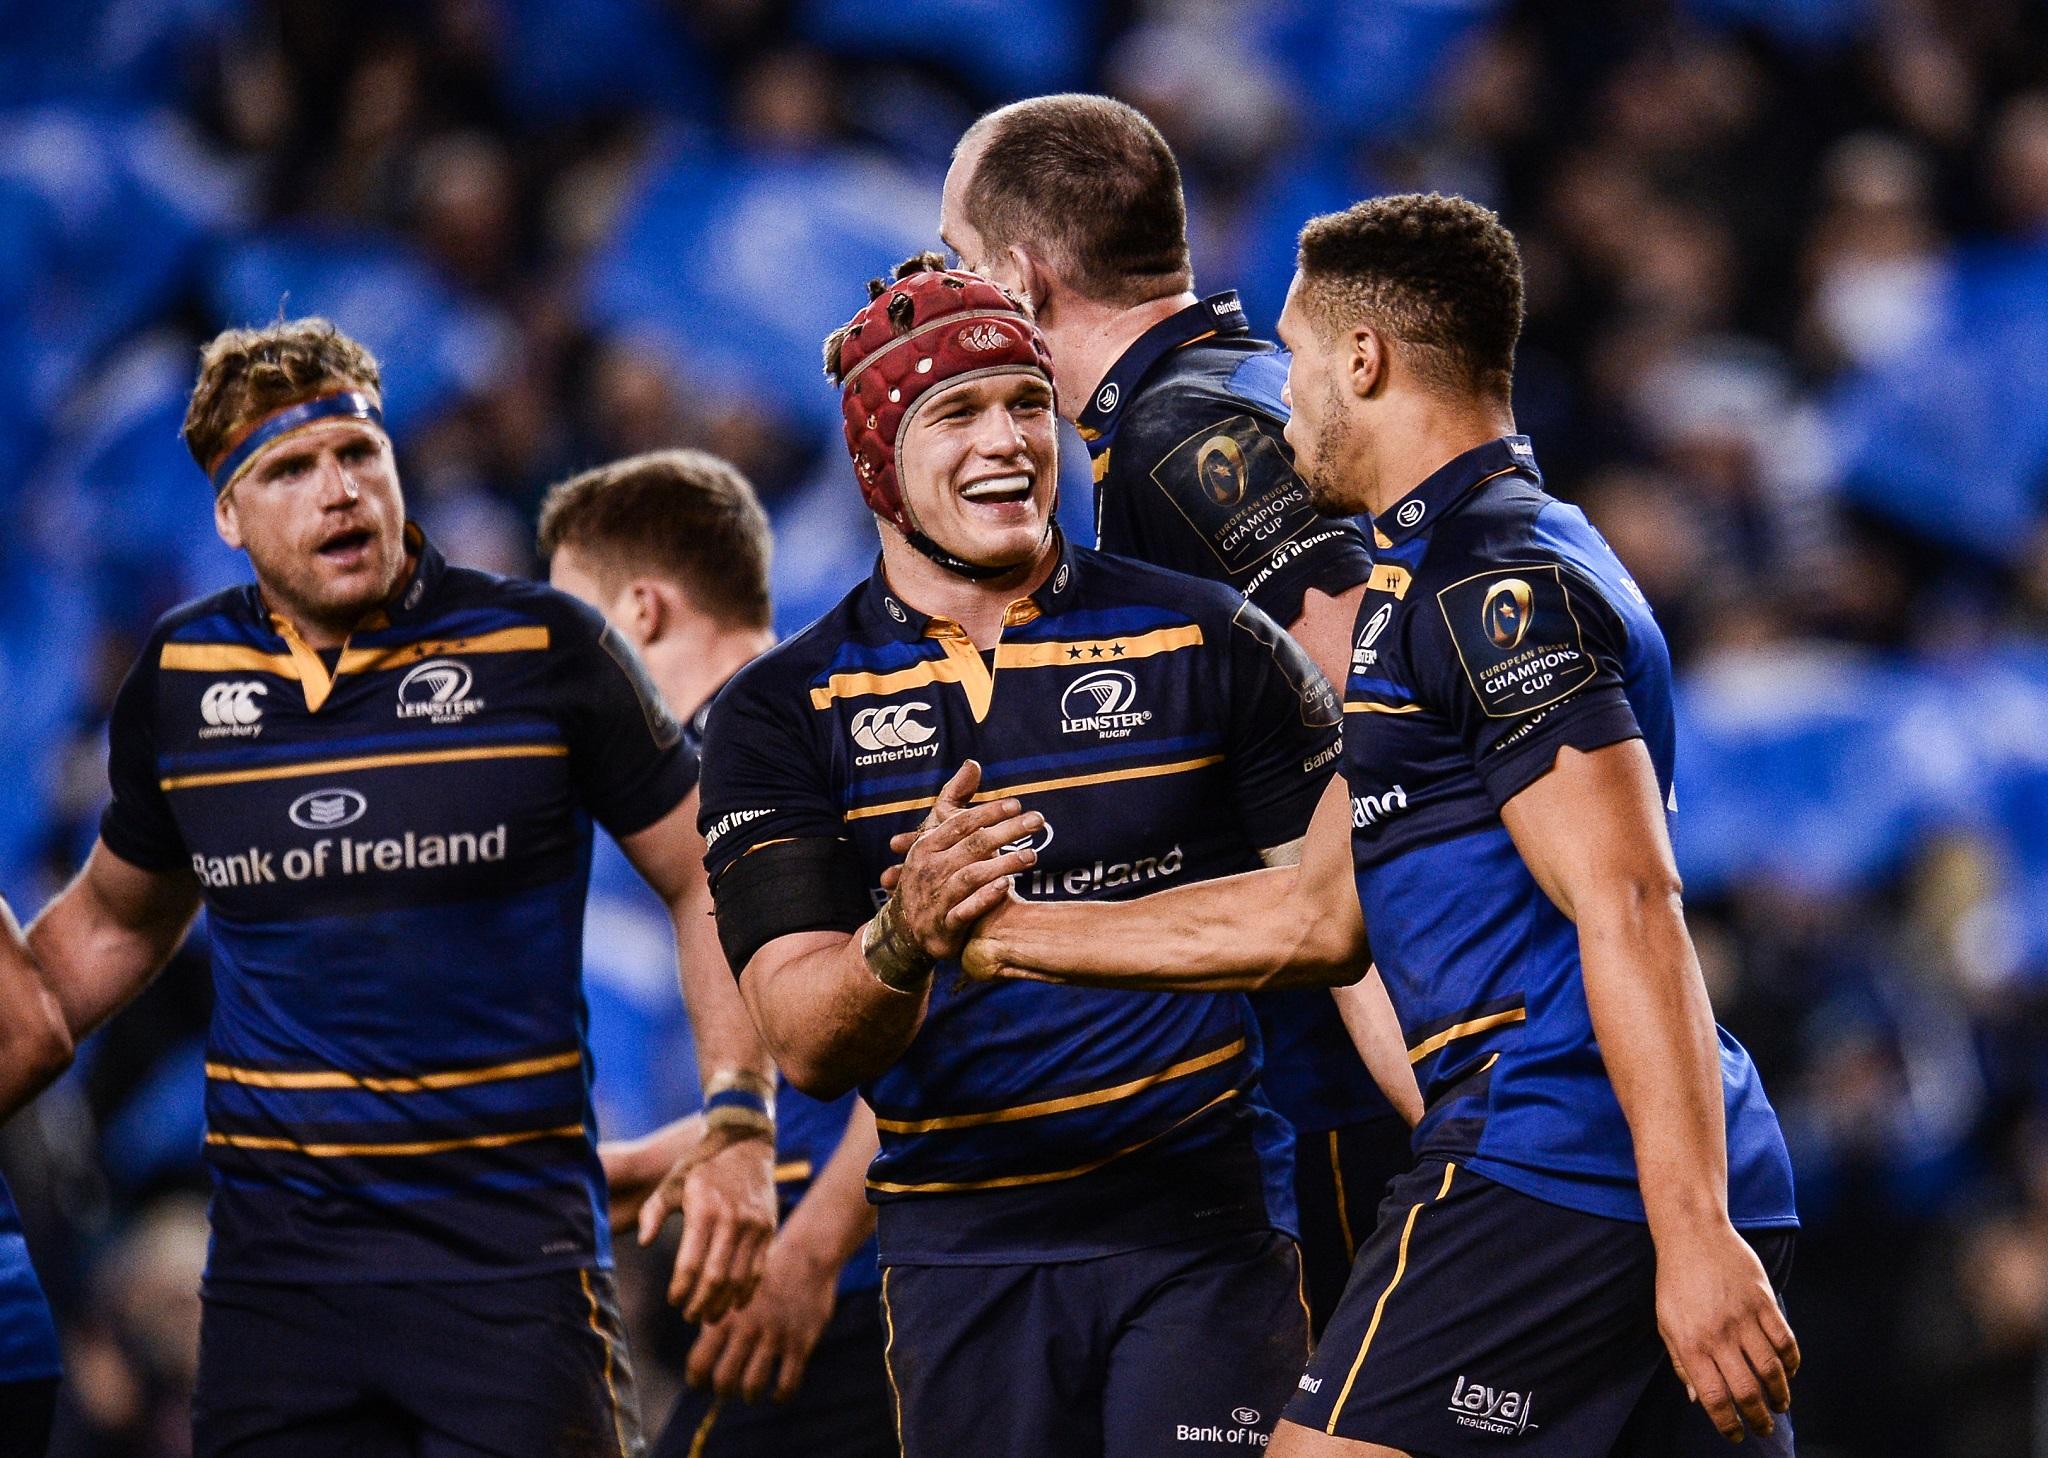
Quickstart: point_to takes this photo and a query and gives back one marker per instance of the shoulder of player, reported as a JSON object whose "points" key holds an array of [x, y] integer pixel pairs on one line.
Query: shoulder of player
{"points": [[778, 681], [1172, 407], [539, 603], [1112, 581]]}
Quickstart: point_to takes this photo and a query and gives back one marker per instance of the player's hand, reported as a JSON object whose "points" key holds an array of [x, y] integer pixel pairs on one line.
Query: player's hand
{"points": [[762, 1348], [634, 1168], [956, 869], [1720, 1322], [724, 1188], [982, 958]]}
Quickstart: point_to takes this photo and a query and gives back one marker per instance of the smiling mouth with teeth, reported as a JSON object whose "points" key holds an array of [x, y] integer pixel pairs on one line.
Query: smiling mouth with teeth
{"points": [[999, 488]]}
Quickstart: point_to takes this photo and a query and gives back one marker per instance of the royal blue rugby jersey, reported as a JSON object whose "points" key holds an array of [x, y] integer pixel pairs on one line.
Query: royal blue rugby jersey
{"points": [[28, 1337], [1193, 473], [1167, 730], [393, 843], [1499, 627]]}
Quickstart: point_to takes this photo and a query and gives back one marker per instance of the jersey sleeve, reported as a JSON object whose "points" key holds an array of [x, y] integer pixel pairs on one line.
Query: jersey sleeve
{"points": [[1524, 657], [137, 824], [1213, 493], [627, 752], [1285, 729], [775, 844]]}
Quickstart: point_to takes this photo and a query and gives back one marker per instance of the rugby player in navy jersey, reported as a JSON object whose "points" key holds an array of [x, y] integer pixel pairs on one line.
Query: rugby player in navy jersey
{"points": [[672, 547], [1074, 203], [1603, 1197], [378, 774], [1083, 1198], [35, 1046]]}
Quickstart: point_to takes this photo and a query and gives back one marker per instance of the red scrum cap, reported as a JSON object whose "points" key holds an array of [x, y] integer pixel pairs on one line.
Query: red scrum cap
{"points": [[924, 331]]}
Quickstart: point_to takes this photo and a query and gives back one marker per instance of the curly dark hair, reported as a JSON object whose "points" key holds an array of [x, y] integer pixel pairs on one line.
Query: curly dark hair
{"points": [[1438, 274], [246, 374]]}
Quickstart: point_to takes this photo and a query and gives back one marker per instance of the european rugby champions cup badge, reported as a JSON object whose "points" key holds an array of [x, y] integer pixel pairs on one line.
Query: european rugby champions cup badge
{"points": [[1518, 637]]}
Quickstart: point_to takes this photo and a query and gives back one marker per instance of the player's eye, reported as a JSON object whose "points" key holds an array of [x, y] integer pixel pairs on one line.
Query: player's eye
{"points": [[359, 450]]}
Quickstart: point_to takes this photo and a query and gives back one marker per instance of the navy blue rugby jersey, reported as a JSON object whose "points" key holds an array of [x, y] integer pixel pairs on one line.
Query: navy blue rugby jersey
{"points": [[393, 844], [1499, 627], [1167, 730], [28, 1337], [1193, 473]]}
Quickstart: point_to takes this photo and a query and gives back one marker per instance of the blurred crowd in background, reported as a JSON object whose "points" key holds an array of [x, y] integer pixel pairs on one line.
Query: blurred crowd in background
{"points": [[1787, 345]]}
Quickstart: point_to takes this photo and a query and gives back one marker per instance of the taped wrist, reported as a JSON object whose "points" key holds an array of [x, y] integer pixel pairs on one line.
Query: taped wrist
{"points": [[813, 884], [892, 954]]}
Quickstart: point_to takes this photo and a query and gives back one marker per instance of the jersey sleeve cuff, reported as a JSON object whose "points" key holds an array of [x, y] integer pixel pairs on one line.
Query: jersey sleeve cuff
{"points": [[666, 786], [1592, 720], [1330, 568], [138, 850]]}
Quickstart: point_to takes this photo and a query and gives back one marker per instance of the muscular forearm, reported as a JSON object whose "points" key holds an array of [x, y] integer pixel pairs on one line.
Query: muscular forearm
{"points": [[35, 1041], [834, 1216], [726, 1038], [829, 1021], [1656, 1034], [1240, 932]]}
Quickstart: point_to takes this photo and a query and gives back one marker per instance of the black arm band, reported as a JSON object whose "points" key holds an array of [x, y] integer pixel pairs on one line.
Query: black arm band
{"points": [[812, 884]]}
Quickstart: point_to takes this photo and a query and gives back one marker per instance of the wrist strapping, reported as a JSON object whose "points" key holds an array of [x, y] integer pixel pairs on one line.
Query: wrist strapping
{"points": [[740, 1100], [893, 956]]}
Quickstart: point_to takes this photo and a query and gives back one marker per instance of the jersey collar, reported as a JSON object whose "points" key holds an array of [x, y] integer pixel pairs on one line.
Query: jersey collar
{"points": [[886, 612], [1216, 314], [1418, 511]]}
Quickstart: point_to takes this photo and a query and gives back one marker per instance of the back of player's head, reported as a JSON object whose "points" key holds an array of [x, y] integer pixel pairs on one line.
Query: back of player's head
{"points": [[1439, 275], [683, 515], [1090, 186], [248, 374]]}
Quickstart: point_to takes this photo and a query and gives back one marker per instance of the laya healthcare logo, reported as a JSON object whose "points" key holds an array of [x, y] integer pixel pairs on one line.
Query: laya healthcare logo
{"points": [[1100, 703], [327, 809], [437, 690], [893, 732], [231, 710], [1493, 1410]]}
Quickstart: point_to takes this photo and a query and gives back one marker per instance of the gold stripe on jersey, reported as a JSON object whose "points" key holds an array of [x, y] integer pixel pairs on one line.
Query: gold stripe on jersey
{"points": [[304, 664], [424, 1146], [792, 1170], [1364, 706], [362, 762], [1096, 652], [1466, 1029], [402, 655], [964, 665], [418, 1083], [225, 658], [1010, 1182], [1100, 465], [1033, 787], [1088, 1100]]}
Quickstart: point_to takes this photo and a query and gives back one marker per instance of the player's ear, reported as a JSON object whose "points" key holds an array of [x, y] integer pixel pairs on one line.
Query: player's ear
{"points": [[226, 520], [647, 612], [1365, 365], [1035, 282]]}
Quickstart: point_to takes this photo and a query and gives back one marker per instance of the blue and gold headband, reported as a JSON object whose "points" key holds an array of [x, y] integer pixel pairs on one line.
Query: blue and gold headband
{"points": [[349, 404]]}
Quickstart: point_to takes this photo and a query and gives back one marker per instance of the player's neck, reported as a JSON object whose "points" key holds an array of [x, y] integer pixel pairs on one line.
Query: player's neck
{"points": [[1088, 338], [976, 605], [1410, 448], [690, 662], [321, 632]]}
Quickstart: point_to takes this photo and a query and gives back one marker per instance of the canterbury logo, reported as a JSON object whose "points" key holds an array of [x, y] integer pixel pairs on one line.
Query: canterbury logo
{"points": [[890, 727], [227, 704], [983, 337]]}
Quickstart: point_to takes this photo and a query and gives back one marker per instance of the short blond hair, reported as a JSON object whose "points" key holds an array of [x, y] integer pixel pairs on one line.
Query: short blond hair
{"points": [[246, 374]]}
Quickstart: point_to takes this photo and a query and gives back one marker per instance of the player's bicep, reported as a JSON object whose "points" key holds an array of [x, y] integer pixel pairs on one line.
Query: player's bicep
{"points": [[782, 888], [627, 751], [104, 936], [669, 855], [1325, 627], [1592, 828], [1285, 729], [1325, 886]]}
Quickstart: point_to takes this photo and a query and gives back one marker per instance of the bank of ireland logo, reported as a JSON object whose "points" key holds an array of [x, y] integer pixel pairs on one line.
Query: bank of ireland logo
{"points": [[1410, 513], [1506, 610], [1107, 396], [1245, 1417], [232, 709], [438, 690], [327, 809], [892, 727]]}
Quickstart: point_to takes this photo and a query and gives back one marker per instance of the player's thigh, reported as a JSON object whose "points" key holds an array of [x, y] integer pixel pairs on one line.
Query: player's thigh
{"points": [[996, 1361], [1666, 1424], [1292, 1440], [279, 1376], [530, 1367], [26, 1409], [1477, 1315], [842, 1410], [1208, 1350], [1340, 1176]]}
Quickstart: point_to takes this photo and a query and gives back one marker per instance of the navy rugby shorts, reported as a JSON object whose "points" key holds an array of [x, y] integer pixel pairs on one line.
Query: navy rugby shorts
{"points": [[1180, 1351], [526, 1367], [1481, 1321], [1340, 1176]]}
